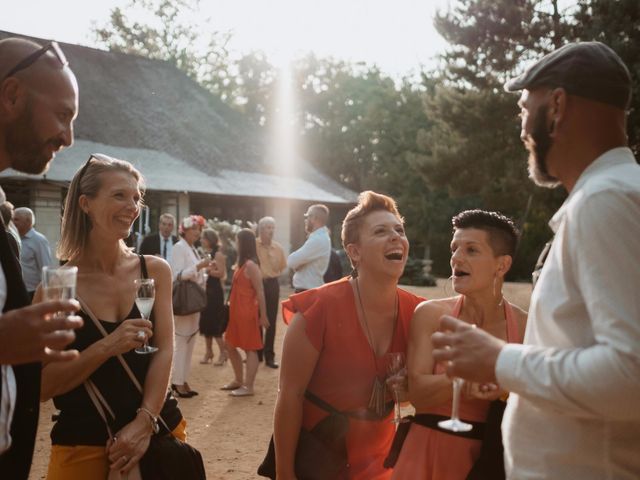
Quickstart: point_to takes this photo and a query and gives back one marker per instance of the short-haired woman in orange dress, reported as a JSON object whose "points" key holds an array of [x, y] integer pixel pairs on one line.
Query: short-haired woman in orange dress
{"points": [[338, 342], [482, 251]]}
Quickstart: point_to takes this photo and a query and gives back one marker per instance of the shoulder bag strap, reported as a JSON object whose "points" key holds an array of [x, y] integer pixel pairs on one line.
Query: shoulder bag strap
{"points": [[120, 358], [318, 402], [100, 403]]}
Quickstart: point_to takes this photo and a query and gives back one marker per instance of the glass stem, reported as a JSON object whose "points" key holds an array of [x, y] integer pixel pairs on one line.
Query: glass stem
{"points": [[457, 383], [397, 407]]}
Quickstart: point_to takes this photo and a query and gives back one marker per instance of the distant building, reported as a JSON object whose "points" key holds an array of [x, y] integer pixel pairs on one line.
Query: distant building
{"points": [[197, 154]]}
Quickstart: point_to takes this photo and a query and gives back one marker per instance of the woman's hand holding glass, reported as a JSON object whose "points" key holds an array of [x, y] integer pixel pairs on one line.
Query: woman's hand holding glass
{"points": [[126, 337]]}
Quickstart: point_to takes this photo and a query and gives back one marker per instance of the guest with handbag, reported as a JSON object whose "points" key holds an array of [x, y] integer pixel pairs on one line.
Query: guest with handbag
{"points": [[187, 266], [247, 315], [103, 202], [335, 349]]}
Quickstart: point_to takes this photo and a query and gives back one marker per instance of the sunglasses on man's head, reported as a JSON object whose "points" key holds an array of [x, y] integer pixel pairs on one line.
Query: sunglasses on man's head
{"points": [[32, 58]]}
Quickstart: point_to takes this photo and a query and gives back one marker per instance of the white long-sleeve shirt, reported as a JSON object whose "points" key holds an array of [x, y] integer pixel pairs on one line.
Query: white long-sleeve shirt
{"points": [[574, 412], [311, 260], [185, 260]]}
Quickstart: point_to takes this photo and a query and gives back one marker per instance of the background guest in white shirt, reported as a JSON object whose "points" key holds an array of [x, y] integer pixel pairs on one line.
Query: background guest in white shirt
{"points": [[574, 408], [310, 261], [186, 263]]}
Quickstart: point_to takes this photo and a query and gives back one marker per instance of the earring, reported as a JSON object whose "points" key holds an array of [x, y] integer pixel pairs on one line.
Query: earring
{"points": [[354, 272]]}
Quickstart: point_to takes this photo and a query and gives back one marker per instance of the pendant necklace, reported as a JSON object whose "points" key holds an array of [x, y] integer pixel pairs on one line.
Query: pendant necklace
{"points": [[377, 398]]}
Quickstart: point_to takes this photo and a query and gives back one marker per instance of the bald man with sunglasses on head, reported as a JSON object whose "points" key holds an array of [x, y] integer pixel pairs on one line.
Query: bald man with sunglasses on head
{"points": [[38, 104]]}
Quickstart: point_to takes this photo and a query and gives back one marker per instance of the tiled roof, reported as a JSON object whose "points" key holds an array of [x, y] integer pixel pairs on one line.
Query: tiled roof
{"points": [[164, 172], [185, 138]]}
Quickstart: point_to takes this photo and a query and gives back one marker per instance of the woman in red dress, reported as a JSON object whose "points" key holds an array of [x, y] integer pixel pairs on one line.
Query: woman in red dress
{"points": [[482, 248], [247, 314], [338, 341]]}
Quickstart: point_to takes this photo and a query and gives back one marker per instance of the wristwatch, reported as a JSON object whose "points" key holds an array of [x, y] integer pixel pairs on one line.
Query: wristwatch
{"points": [[154, 420]]}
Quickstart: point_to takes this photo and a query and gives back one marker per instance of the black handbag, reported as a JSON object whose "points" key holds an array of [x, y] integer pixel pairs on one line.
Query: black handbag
{"points": [[169, 458], [188, 297], [321, 453]]}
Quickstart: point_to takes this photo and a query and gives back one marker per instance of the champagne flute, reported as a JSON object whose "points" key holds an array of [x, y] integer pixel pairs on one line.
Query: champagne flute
{"points": [[454, 424], [59, 283], [145, 295], [396, 368]]}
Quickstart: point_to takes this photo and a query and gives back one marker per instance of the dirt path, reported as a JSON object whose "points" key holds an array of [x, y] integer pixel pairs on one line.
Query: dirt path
{"points": [[233, 433]]}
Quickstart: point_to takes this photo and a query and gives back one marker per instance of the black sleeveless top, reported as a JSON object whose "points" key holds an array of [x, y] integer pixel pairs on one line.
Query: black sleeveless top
{"points": [[79, 422]]}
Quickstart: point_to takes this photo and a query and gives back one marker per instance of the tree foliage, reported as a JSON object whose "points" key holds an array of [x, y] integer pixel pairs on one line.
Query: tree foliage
{"points": [[445, 143]]}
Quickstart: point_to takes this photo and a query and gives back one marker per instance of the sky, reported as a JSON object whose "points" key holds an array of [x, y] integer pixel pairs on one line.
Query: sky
{"points": [[397, 35]]}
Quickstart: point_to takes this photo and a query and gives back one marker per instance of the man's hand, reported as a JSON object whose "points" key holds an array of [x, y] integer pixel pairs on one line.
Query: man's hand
{"points": [[468, 352], [38, 333]]}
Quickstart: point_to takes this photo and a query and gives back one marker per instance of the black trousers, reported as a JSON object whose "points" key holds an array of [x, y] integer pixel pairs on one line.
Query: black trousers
{"points": [[271, 297]]}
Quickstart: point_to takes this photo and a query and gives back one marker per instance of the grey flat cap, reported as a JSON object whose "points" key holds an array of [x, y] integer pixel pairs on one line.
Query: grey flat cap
{"points": [[586, 69]]}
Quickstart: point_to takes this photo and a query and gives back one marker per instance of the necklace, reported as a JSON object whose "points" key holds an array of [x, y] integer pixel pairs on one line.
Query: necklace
{"points": [[376, 400]]}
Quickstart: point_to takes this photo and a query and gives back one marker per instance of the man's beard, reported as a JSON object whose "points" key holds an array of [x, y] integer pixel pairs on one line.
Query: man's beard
{"points": [[27, 152], [539, 143]]}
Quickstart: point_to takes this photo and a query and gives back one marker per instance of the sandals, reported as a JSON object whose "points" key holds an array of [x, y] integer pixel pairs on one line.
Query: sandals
{"points": [[231, 386], [208, 358], [241, 392], [222, 359]]}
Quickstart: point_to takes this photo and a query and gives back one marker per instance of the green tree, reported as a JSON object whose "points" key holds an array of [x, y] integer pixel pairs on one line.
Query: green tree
{"points": [[168, 34]]}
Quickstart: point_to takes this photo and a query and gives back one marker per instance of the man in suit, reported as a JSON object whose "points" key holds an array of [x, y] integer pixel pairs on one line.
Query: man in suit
{"points": [[38, 104], [161, 243]]}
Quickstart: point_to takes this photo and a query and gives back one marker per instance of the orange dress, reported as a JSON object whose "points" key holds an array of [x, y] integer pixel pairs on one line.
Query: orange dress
{"points": [[345, 371], [243, 330], [430, 454]]}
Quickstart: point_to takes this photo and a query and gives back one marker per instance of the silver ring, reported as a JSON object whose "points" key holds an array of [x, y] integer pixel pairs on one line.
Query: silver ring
{"points": [[140, 335]]}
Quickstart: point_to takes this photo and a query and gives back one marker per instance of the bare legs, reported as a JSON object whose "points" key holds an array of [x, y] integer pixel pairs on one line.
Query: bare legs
{"points": [[223, 352], [244, 387]]}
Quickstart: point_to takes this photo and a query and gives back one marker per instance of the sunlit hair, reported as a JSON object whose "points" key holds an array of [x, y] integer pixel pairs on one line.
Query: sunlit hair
{"points": [[264, 221], [76, 224], [190, 222], [502, 232], [212, 237], [320, 212], [246, 246], [367, 202]]}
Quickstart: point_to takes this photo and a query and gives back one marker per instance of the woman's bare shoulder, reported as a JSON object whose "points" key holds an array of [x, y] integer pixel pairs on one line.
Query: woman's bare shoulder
{"points": [[437, 306], [430, 311], [157, 265]]}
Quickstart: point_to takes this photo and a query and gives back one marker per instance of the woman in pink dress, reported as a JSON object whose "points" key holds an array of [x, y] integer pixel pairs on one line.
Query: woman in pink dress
{"points": [[481, 254]]}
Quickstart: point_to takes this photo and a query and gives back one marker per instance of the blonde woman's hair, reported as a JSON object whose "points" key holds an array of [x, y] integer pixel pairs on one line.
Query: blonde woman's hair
{"points": [[76, 224]]}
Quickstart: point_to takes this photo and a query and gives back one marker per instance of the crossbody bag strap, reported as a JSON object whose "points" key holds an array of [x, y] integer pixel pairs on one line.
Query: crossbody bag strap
{"points": [[358, 415], [120, 358], [100, 403], [318, 402]]}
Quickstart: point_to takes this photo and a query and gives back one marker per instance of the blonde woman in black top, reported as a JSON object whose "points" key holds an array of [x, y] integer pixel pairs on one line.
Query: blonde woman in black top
{"points": [[103, 202]]}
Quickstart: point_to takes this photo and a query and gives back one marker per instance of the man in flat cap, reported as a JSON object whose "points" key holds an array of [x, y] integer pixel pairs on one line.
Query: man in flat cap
{"points": [[574, 407], [38, 104]]}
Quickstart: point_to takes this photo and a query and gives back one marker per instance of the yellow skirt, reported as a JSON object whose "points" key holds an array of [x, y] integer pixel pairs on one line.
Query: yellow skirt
{"points": [[82, 462]]}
